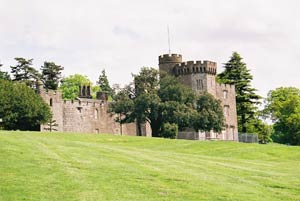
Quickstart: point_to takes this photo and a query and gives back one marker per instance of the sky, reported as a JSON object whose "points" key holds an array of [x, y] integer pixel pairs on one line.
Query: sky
{"points": [[86, 36]]}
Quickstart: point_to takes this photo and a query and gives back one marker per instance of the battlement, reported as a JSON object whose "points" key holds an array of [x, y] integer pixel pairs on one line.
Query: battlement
{"points": [[53, 92], [190, 67], [227, 87], [170, 58], [84, 102]]}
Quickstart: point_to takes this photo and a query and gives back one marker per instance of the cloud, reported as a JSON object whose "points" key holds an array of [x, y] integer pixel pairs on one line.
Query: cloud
{"points": [[86, 36]]}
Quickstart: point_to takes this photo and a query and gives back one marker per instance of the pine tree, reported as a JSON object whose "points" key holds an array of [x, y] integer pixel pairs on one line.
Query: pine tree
{"points": [[236, 73], [4, 75], [104, 84], [25, 72], [51, 75]]}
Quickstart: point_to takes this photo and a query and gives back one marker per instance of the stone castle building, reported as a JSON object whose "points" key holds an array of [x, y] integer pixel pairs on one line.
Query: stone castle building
{"points": [[201, 77], [87, 115], [83, 115]]}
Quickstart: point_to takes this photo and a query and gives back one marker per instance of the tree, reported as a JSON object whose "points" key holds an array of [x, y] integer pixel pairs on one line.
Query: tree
{"points": [[25, 72], [21, 108], [283, 106], [236, 73], [153, 100], [104, 83], [52, 125], [169, 130], [209, 115], [70, 85], [4, 75], [51, 75]]}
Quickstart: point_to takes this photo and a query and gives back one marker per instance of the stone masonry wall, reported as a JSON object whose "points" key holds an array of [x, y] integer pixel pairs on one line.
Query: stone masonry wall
{"points": [[84, 116]]}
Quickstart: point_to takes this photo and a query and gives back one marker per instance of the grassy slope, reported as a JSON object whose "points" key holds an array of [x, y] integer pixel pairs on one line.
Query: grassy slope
{"points": [[44, 166]]}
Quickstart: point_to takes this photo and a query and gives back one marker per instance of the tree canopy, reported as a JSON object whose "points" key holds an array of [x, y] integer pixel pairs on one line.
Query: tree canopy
{"points": [[163, 102], [24, 72], [283, 106], [51, 75], [104, 83], [236, 73], [21, 108], [209, 114], [70, 85], [4, 75]]}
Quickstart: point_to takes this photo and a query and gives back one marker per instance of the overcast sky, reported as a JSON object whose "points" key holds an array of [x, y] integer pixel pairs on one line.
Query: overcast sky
{"points": [[86, 36]]}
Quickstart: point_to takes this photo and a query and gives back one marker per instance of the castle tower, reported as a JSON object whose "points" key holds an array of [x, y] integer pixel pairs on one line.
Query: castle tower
{"points": [[168, 61], [199, 75]]}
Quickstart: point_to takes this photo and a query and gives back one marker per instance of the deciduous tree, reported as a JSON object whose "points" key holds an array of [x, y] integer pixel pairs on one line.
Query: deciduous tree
{"points": [[209, 115], [70, 85], [164, 103], [21, 108], [283, 106]]}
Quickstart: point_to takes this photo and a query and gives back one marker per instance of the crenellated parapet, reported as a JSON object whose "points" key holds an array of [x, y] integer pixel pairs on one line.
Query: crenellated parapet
{"points": [[191, 67], [170, 58], [52, 93], [226, 87], [84, 102]]}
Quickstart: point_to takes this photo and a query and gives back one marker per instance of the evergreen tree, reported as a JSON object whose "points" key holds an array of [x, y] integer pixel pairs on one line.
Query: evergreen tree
{"points": [[4, 75], [236, 73], [104, 83], [51, 75], [25, 72]]}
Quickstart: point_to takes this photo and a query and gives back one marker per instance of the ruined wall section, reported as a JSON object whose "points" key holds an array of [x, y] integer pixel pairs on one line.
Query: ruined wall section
{"points": [[91, 116], [54, 100], [83, 115]]}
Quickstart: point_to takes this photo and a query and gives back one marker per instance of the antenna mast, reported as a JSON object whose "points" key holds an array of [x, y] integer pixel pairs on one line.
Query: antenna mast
{"points": [[169, 40]]}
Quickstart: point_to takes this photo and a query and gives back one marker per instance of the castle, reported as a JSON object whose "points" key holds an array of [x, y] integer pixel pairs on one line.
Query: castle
{"points": [[201, 77], [87, 115]]}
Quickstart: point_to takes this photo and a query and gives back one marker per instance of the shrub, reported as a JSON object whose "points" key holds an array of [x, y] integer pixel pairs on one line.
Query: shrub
{"points": [[169, 130]]}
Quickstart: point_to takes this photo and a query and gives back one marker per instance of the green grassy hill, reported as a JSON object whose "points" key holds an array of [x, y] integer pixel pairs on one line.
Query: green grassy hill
{"points": [[56, 166]]}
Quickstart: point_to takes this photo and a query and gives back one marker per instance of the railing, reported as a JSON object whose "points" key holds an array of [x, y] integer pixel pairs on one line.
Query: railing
{"points": [[248, 138]]}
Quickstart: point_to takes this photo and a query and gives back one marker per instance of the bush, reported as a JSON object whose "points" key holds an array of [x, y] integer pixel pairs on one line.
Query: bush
{"points": [[169, 130], [21, 108]]}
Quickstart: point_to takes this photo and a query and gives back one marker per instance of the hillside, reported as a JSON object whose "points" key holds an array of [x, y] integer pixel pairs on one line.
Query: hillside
{"points": [[56, 166]]}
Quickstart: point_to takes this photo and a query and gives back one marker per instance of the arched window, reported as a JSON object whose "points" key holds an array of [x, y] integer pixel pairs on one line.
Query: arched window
{"points": [[96, 114]]}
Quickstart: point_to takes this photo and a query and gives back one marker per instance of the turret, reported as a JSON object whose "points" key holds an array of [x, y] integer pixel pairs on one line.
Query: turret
{"points": [[168, 61], [194, 67]]}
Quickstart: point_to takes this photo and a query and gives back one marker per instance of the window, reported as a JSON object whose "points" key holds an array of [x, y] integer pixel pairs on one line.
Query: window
{"points": [[199, 84], [96, 114], [51, 102], [226, 110], [225, 94], [212, 82]]}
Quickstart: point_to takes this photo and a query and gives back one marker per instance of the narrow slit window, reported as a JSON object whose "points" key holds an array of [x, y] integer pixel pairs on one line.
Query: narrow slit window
{"points": [[51, 102]]}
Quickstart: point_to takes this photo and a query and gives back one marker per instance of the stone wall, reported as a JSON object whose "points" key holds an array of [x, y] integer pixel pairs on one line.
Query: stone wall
{"points": [[83, 115], [201, 77]]}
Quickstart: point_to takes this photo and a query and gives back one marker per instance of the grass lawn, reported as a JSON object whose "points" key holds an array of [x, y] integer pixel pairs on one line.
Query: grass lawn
{"points": [[57, 166]]}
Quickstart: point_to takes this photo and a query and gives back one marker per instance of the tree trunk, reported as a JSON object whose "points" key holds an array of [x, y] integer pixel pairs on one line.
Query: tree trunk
{"points": [[155, 129], [243, 121]]}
